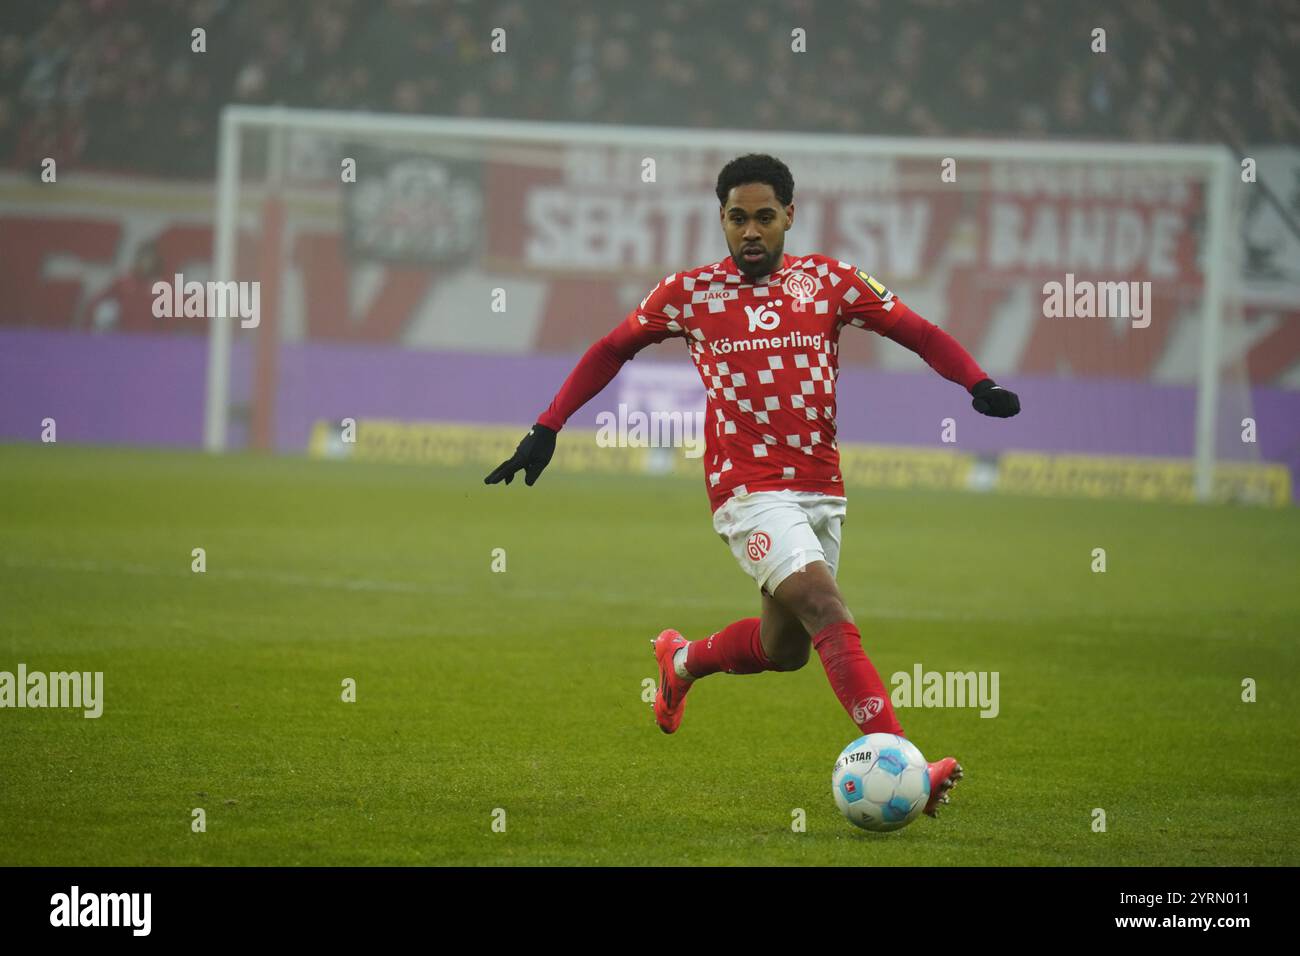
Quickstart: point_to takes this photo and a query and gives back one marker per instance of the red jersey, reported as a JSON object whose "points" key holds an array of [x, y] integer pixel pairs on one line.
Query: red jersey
{"points": [[767, 351]]}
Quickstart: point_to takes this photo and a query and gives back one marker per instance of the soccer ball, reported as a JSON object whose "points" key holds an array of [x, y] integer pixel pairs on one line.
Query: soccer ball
{"points": [[881, 782]]}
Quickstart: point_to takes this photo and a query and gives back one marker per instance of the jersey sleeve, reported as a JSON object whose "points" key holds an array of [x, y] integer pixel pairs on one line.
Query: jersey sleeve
{"points": [[867, 304], [658, 316], [654, 320]]}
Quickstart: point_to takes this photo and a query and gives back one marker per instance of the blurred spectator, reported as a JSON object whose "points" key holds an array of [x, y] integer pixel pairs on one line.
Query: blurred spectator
{"points": [[113, 84], [127, 304]]}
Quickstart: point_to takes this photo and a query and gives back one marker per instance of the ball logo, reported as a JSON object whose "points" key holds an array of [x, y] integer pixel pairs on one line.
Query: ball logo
{"points": [[758, 545], [802, 286], [850, 787], [868, 709]]}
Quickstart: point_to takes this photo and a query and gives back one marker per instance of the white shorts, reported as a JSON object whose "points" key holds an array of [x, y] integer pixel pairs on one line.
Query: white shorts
{"points": [[775, 533]]}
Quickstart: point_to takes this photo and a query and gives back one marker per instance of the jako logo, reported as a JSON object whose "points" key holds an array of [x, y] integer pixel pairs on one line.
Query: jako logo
{"points": [[103, 909], [761, 317]]}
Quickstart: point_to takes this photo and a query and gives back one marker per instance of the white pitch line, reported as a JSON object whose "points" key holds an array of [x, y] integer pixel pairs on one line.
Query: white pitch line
{"points": [[327, 583]]}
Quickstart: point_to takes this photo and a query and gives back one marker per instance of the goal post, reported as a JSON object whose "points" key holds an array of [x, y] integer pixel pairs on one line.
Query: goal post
{"points": [[966, 231], [224, 225]]}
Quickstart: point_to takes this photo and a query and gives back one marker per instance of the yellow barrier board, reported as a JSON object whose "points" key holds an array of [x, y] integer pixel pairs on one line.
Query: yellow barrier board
{"points": [[1145, 479], [862, 466]]}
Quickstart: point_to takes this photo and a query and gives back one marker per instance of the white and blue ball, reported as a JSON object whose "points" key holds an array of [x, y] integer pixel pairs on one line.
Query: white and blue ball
{"points": [[881, 782]]}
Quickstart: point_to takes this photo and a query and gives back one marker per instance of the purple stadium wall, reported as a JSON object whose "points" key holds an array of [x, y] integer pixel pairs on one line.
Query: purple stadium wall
{"points": [[149, 390]]}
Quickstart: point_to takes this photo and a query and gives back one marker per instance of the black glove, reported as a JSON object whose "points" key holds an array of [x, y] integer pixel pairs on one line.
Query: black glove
{"points": [[533, 454], [994, 400]]}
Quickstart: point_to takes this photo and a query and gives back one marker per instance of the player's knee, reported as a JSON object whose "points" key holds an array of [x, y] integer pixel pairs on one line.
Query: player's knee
{"points": [[814, 599], [792, 659], [787, 648], [822, 608]]}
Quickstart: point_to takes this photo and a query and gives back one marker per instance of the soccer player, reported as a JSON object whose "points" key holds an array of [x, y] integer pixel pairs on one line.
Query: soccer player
{"points": [[763, 329]]}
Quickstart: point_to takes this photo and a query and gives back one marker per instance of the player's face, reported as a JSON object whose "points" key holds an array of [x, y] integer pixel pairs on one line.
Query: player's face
{"points": [[754, 222]]}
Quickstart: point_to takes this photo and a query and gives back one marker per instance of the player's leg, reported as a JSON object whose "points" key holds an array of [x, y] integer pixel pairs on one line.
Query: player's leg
{"points": [[736, 649], [769, 536], [813, 597], [785, 640], [774, 642]]}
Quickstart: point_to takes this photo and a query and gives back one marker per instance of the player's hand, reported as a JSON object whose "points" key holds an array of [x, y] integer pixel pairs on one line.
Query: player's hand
{"points": [[533, 454], [994, 400]]}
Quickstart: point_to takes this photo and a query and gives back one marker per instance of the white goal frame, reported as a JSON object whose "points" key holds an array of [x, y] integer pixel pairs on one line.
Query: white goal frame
{"points": [[1217, 162]]}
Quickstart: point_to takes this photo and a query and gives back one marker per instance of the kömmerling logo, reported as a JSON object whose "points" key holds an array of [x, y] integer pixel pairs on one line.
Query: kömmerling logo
{"points": [[788, 341]]}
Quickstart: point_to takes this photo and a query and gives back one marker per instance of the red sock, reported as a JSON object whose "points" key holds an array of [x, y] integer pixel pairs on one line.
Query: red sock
{"points": [[735, 649], [854, 679]]}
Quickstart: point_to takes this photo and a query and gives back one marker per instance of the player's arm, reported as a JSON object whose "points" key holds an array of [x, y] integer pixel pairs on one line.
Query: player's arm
{"points": [[876, 308], [652, 321]]}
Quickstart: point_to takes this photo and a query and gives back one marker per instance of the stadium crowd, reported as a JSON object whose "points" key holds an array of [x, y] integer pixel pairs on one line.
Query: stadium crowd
{"points": [[114, 84]]}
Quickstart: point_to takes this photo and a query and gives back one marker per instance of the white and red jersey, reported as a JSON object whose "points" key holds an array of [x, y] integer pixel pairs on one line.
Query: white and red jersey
{"points": [[767, 352]]}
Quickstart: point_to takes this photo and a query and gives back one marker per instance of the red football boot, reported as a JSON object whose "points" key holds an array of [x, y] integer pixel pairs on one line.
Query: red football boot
{"points": [[944, 775], [670, 697]]}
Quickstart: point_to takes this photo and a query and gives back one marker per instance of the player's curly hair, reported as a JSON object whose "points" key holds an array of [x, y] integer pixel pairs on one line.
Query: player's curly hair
{"points": [[756, 168]]}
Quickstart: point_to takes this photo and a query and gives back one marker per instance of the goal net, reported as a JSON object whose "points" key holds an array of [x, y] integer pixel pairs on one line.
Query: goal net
{"points": [[430, 282]]}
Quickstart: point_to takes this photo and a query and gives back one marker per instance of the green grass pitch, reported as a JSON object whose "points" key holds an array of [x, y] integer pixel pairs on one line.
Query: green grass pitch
{"points": [[522, 690]]}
